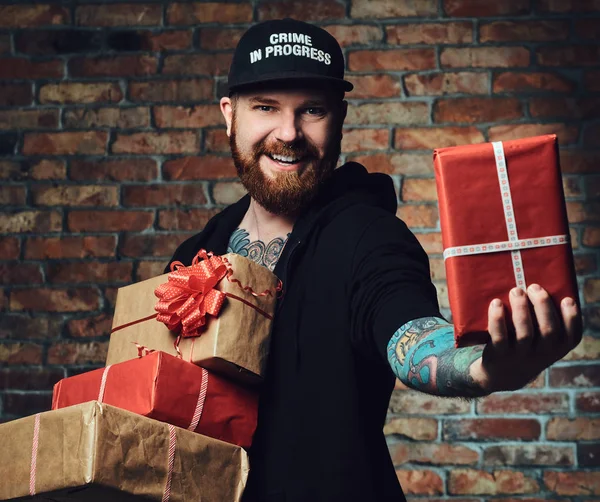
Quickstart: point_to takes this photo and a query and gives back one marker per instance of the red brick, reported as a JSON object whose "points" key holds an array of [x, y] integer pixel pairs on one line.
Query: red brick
{"points": [[193, 117], [573, 483], [437, 268], [439, 84], [191, 13], [5, 43], [591, 236], [55, 300], [484, 57], [475, 8], [432, 454], [564, 6], [419, 429], [199, 168], [575, 161], [21, 327], [166, 40], [572, 187], [385, 113], [99, 272], [574, 236], [30, 221], [411, 402], [113, 66], [524, 31], [592, 80], [28, 119], [197, 64], [119, 15], [77, 353], [22, 404], [415, 138], [10, 248], [57, 42], [30, 16], [216, 140], [572, 55], [157, 143], [591, 135], [418, 189], [588, 401], [198, 89], [529, 455], [356, 140], [306, 10], [421, 482], [227, 192], [15, 94], [74, 92], [357, 34], [148, 269], [569, 429], [163, 195], [591, 292], [566, 134], [489, 429], [592, 187], [109, 221], [152, 245], [33, 170], [110, 297], [514, 403], [536, 81], [374, 86], [220, 38], [119, 118], [587, 350], [26, 69], [396, 163], [41, 248], [90, 327], [65, 143], [30, 378], [392, 59], [12, 195], [430, 33], [568, 108], [474, 110], [474, 482], [13, 273], [575, 376], [585, 264], [383, 9], [418, 215], [114, 170], [80, 195], [182, 219]]}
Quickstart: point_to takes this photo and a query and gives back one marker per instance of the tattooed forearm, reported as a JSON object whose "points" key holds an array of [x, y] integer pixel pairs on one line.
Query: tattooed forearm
{"points": [[423, 356]]}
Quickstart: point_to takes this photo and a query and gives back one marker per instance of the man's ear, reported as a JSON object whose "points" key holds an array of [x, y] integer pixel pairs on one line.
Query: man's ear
{"points": [[227, 111]]}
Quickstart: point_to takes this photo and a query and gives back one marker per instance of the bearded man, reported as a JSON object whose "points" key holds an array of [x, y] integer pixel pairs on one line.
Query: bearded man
{"points": [[358, 308]]}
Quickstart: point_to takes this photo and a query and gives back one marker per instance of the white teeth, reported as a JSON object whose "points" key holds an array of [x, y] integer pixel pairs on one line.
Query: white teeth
{"points": [[281, 158]]}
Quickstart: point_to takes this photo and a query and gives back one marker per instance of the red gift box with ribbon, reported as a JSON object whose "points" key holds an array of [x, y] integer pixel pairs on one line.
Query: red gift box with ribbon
{"points": [[504, 224], [168, 389], [216, 313]]}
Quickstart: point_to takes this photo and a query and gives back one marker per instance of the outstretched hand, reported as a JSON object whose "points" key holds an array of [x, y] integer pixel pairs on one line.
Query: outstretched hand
{"points": [[542, 336]]}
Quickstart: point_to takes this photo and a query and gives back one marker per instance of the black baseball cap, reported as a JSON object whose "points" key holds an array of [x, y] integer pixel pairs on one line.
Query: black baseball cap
{"points": [[285, 50]]}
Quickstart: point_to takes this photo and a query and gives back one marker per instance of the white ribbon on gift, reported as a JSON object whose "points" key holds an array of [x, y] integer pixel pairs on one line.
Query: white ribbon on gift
{"points": [[513, 244]]}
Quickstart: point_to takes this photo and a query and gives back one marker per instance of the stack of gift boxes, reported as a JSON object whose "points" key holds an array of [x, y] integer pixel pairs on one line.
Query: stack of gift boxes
{"points": [[171, 414]]}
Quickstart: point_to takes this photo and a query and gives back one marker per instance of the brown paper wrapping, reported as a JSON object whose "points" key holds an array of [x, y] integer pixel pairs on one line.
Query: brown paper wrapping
{"points": [[236, 343], [94, 451]]}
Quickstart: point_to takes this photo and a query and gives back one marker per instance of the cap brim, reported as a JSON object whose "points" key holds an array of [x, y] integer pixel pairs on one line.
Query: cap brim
{"points": [[293, 77]]}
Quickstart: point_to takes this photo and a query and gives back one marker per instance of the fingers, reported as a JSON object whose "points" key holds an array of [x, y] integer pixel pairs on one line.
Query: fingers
{"points": [[521, 319], [497, 327], [548, 323], [572, 321]]}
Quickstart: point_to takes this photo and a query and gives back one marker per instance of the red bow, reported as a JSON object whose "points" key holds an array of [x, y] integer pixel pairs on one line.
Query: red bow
{"points": [[189, 295]]}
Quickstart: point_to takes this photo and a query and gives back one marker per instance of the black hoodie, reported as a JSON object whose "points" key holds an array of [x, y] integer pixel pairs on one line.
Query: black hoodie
{"points": [[352, 274]]}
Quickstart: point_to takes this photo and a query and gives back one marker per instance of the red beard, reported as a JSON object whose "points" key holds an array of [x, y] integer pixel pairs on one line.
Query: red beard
{"points": [[289, 193]]}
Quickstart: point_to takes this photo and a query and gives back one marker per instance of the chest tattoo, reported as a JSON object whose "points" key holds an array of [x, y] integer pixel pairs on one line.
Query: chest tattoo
{"points": [[264, 253]]}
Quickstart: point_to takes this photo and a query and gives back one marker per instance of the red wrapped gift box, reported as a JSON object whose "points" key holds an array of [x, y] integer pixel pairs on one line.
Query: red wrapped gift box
{"points": [[165, 388], [495, 239]]}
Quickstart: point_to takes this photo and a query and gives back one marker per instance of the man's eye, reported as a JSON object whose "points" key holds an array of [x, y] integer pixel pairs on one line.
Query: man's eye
{"points": [[315, 110], [263, 108]]}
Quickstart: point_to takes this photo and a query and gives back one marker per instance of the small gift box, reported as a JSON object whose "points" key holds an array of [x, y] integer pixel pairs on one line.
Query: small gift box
{"points": [[504, 224], [216, 313], [165, 388], [96, 452]]}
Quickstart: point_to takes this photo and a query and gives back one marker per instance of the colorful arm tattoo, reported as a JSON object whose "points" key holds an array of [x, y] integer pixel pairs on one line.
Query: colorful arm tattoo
{"points": [[423, 356]]}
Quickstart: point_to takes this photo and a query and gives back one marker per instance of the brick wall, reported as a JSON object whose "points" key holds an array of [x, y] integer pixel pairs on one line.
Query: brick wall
{"points": [[112, 151]]}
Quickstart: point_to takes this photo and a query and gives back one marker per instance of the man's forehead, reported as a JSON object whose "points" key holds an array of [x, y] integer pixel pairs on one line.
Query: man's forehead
{"points": [[286, 96]]}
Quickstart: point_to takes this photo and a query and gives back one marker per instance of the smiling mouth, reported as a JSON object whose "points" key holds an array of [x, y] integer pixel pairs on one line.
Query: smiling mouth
{"points": [[285, 160]]}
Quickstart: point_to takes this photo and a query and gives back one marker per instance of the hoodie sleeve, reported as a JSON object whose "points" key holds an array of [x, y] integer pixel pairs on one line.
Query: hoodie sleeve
{"points": [[390, 284]]}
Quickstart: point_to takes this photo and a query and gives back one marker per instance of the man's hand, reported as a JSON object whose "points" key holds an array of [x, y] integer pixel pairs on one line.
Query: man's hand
{"points": [[542, 336]]}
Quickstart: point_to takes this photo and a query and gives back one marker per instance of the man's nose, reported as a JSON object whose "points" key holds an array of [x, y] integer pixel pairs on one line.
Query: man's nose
{"points": [[288, 129]]}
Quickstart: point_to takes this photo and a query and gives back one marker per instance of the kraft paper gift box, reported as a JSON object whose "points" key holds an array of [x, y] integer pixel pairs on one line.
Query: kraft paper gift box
{"points": [[234, 343], [504, 224], [95, 452], [168, 389]]}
